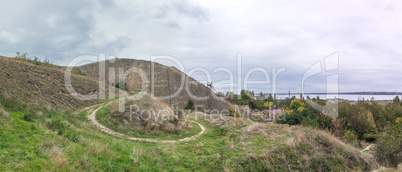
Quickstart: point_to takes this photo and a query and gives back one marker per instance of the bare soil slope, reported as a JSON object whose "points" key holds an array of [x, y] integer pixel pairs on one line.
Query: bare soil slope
{"points": [[160, 80], [24, 83]]}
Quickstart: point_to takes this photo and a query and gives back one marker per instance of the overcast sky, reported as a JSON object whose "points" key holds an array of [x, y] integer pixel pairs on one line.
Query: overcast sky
{"points": [[365, 35]]}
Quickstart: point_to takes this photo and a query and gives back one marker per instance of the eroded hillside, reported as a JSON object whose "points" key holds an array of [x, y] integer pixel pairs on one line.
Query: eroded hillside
{"points": [[28, 84], [165, 81]]}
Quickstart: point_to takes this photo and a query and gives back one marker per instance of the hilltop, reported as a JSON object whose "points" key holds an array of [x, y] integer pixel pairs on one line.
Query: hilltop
{"points": [[166, 81]]}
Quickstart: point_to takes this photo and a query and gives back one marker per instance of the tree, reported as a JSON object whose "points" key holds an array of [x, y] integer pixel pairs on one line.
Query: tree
{"points": [[360, 120], [397, 101], [389, 144], [245, 95], [235, 97], [270, 98], [262, 97], [268, 105]]}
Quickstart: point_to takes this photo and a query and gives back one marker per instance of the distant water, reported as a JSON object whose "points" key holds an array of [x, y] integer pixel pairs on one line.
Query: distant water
{"points": [[343, 96]]}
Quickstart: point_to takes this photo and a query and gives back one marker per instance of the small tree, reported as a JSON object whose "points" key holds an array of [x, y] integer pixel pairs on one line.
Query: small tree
{"points": [[389, 144], [190, 105], [350, 137], [397, 101], [245, 95], [234, 113], [262, 97], [296, 104]]}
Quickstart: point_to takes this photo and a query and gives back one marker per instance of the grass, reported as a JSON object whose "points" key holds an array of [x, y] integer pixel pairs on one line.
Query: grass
{"points": [[33, 137], [103, 117], [228, 144]]}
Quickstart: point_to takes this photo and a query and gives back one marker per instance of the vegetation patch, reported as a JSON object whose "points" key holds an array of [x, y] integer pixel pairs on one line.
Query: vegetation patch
{"points": [[144, 118]]}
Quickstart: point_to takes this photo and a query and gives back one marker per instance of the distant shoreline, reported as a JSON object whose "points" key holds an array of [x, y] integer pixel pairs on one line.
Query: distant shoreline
{"points": [[354, 93]]}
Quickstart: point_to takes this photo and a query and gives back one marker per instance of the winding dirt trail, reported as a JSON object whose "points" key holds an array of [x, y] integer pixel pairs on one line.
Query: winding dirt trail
{"points": [[92, 118]]}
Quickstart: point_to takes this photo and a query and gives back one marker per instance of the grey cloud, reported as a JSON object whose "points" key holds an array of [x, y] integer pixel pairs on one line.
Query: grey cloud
{"points": [[55, 30], [173, 24], [191, 9], [269, 34]]}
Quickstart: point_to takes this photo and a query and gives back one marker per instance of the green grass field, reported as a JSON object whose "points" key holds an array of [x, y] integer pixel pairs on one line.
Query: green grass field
{"points": [[53, 141]]}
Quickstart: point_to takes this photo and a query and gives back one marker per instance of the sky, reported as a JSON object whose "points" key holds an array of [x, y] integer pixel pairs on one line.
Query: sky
{"points": [[334, 45]]}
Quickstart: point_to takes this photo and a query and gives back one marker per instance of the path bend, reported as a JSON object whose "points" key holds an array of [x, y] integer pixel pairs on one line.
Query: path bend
{"points": [[92, 118]]}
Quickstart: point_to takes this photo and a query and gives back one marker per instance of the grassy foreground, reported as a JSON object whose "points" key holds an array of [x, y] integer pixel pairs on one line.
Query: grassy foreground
{"points": [[50, 141]]}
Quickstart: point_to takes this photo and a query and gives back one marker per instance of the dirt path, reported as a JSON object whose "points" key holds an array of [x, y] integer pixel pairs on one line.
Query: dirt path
{"points": [[367, 148], [92, 118]]}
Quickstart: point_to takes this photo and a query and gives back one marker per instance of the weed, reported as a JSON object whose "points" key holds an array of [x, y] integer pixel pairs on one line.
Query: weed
{"points": [[57, 125]]}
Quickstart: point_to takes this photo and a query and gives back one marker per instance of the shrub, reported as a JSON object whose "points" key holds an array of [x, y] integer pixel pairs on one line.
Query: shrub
{"points": [[290, 117], [389, 145], [350, 137], [361, 121], [190, 105], [296, 105], [57, 125], [35, 60], [28, 116], [234, 113], [337, 128], [76, 71], [121, 85], [310, 122]]}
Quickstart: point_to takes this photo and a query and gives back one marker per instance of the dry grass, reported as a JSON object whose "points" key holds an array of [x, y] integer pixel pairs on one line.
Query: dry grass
{"points": [[137, 152], [59, 159], [41, 87], [293, 148], [153, 115], [94, 148], [4, 114]]}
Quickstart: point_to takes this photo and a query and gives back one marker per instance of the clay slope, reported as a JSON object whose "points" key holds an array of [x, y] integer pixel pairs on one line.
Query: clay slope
{"points": [[41, 87], [166, 81]]}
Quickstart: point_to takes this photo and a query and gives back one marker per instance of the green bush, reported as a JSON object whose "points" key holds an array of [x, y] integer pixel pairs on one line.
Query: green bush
{"points": [[234, 113], [190, 105], [389, 144], [350, 137], [296, 104], [76, 71], [121, 85], [361, 121], [29, 116]]}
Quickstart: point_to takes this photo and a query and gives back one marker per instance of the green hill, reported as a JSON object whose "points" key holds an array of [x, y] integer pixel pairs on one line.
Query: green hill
{"points": [[43, 128]]}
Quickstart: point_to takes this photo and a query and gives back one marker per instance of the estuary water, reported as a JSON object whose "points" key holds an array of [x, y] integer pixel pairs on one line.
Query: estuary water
{"points": [[343, 96]]}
